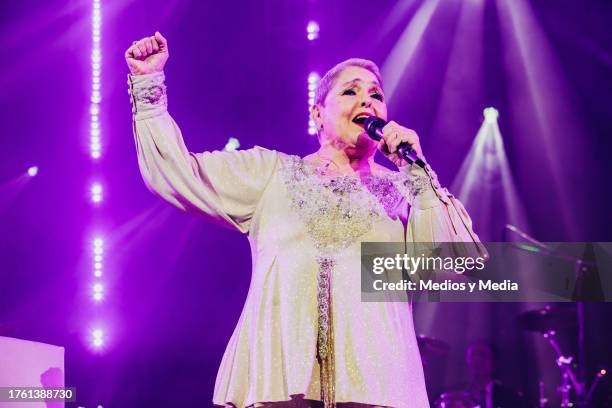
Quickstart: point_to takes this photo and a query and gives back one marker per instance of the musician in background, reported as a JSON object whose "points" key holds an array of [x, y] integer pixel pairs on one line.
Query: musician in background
{"points": [[485, 390]]}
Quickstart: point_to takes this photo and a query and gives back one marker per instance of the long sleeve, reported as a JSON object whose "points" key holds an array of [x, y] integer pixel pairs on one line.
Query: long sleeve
{"points": [[436, 216], [224, 187]]}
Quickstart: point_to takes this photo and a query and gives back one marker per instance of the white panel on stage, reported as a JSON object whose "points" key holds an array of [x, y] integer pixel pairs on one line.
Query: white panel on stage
{"points": [[30, 364]]}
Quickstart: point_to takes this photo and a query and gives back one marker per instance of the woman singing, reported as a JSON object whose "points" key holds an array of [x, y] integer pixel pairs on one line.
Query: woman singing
{"points": [[304, 338]]}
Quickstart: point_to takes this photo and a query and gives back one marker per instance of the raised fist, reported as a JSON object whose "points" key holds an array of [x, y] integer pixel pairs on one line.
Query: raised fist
{"points": [[148, 55]]}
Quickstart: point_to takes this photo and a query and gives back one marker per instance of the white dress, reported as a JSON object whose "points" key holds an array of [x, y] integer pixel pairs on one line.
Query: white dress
{"points": [[297, 218]]}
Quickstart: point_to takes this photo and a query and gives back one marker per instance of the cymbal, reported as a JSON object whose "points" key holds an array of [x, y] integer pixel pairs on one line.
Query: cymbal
{"points": [[547, 318], [431, 345]]}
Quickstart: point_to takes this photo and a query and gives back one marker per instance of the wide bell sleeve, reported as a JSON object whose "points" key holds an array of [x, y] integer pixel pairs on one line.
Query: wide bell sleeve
{"points": [[224, 187], [436, 216]]}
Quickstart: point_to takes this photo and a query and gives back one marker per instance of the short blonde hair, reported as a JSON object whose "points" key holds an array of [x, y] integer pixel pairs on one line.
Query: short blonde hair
{"points": [[329, 79]]}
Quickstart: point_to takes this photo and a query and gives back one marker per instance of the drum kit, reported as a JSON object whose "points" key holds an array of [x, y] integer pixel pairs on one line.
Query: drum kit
{"points": [[546, 321]]}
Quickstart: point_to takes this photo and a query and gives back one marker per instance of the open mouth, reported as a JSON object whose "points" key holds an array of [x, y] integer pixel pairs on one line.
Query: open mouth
{"points": [[360, 119]]}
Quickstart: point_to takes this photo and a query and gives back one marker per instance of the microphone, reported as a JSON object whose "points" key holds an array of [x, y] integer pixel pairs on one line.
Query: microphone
{"points": [[374, 125]]}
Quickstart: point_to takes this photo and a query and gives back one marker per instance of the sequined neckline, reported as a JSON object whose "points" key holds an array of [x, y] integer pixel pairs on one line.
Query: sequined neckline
{"points": [[323, 171], [338, 209]]}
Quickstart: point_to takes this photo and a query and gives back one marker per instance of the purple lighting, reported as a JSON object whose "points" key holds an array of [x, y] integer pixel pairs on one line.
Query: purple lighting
{"points": [[98, 291], [97, 338], [95, 146], [32, 171], [98, 256], [312, 30], [96, 193], [313, 81], [116, 261], [490, 114], [232, 144]]}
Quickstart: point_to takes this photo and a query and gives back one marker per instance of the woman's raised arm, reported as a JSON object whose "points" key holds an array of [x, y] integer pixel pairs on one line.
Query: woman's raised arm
{"points": [[224, 187]]}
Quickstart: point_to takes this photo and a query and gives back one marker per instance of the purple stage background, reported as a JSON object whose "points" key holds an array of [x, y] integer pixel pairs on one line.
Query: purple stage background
{"points": [[175, 285]]}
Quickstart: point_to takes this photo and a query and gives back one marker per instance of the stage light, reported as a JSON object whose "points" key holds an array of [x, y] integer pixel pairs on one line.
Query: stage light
{"points": [[232, 144], [312, 30], [96, 192], [95, 97], [98, 251], [95, 146], [313, 81], [490, 114], [398, 61], [98, 291], [97, 338], [32, 171]]}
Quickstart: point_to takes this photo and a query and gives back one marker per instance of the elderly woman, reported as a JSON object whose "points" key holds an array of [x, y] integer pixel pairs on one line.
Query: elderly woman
{"points": [[304, 337]]}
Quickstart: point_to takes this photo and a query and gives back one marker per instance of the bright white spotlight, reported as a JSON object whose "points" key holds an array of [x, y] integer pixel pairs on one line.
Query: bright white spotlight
{"points": [[490, 114], [313, 78], [98, 257], [312, 30], [98, 291], [96, 192], [97, 337], [95, 147], [232, 144], [313, 81], [32, 171]]}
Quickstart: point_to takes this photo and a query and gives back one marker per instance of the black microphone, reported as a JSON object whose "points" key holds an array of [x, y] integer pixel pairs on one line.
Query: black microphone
{"points": [[374, 125]]}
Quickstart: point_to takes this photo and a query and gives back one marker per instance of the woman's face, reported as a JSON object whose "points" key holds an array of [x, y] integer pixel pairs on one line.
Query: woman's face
{"points": [[356, 92]]}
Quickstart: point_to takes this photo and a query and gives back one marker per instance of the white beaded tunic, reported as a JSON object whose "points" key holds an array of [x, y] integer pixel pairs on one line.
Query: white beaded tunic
{"points": [[302, 222]]}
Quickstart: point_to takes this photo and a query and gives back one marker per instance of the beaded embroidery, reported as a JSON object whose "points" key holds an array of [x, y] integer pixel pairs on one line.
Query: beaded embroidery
{"points": [[153, 93], [336, 211]]}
